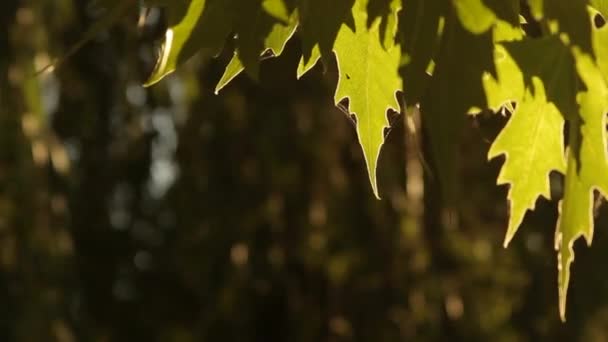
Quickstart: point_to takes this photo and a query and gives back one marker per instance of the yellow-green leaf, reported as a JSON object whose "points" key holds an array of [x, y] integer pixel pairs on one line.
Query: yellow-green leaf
{"points": [[474, 15], [368, 78], [533, 145], [532, 141], [193, 26], [277, 9], [587, 171], [274, 43]]}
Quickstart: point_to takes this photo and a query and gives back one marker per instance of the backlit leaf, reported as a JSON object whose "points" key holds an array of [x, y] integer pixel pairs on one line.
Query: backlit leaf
{"points": [[587, 171], [368, 78], [320, 22], [274, 43], [196, 26], [533, 145], [532, 141], [474, 15]]}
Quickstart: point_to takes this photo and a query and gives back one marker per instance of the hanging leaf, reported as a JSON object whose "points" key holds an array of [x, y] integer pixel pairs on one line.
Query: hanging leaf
{"points": [[508, 85], [532, 141], [552, 62], [600, 46], [369, 79], [203, 26], [385, 11], [474, 15], [566, 16], [278, 9], [274, 43], [587, 171], [478, 16], [533, 145], [193, 26], [320, 22], [252, 25]]}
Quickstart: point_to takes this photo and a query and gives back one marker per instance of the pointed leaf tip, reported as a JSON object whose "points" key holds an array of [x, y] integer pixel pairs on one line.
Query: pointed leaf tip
{"points": [[587, 170], [372, 166], [369, 78]]}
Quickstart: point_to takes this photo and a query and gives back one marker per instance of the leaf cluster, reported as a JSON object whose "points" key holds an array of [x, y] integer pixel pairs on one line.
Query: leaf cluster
{"points": [[544, 63]]}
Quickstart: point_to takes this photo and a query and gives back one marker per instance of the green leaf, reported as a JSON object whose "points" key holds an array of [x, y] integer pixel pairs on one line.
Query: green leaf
{"points": [[532, 141], [198, 25], [378, 9], [506, 10], [587, 171], [385, 10], [274, 43], [252, 25], [320, 22], [507, 32], [308, 63], [601, 6], [181, 26], [478, 16], [566, 16], [508, 85], [233, 69], [536, 8], [533, 145], [600, 47], [552, 62], [474, 15], [204, 25], [277, 9], [368, 78]]}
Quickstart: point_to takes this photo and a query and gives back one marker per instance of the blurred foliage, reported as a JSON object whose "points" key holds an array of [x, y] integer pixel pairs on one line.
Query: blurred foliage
{"points": [[172, 214]]}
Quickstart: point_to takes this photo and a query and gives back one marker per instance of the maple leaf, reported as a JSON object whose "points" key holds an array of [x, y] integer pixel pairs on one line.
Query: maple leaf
{"points": [[478, 16], [320, 23], [600, 45], [368, 78], [279, 9], [532, 141], [533, 145], [193, 26], [385, 10], [587, 171], [566, 16], [274, 43], [474, 15], [203, 25], [252, 26]]}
